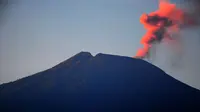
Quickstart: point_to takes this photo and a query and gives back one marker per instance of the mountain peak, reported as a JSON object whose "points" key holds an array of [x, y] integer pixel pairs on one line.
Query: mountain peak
{"points": [[84, 53], [74, 60], [103, 82]]}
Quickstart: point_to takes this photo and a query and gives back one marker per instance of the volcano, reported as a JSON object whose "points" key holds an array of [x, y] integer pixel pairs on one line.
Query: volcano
{"points": [[99, 83]]}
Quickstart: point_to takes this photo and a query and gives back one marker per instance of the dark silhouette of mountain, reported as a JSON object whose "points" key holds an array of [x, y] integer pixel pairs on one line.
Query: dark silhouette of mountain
{"points": [[101, 83]]}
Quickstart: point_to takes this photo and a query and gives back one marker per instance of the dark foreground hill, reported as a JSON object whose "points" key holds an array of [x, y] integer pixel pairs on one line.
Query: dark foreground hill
{"points": [[101, 83]]}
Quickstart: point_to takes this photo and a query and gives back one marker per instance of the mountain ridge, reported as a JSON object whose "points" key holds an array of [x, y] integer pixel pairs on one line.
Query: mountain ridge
{"points": [[88, 56], [99, 82], [82, 53]]}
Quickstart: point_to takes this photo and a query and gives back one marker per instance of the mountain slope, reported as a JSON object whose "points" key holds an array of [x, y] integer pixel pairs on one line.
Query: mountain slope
{"points": [[100, 83]]}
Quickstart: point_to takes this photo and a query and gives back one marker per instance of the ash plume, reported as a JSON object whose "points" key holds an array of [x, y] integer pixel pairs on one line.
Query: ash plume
{"points": [[184, 66]]}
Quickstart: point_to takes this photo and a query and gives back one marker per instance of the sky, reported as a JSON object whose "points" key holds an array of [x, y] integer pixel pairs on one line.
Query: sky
{"points": [[35, 35], [38, 34]]}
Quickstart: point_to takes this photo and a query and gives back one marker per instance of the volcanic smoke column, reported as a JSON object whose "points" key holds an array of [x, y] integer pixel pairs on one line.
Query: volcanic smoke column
{"points": [[167, 16]]}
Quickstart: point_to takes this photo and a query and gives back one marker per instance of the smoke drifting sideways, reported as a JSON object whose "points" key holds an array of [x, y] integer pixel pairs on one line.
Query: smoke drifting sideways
{"points": [[4, 4], [185, 66]]}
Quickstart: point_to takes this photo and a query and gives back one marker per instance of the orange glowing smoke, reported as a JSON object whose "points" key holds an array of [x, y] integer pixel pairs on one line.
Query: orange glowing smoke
{"points": [[166, 9]]}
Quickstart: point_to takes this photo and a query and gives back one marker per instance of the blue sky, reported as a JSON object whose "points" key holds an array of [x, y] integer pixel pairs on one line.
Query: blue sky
{"points": [[38, 34]]}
